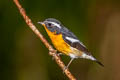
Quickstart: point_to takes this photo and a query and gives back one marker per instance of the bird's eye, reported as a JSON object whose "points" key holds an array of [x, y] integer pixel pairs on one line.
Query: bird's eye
{"points": [[49, 24]]}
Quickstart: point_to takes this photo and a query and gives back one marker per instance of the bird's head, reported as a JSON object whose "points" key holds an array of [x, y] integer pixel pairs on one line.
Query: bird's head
{"points": [[52, 25]]}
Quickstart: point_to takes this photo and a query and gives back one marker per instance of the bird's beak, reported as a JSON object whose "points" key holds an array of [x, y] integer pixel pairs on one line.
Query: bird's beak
{"points": [[41, 23]]}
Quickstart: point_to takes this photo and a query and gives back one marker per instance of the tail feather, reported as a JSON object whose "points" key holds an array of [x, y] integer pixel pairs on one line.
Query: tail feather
{"points": [[90, 57], [99, 63]]}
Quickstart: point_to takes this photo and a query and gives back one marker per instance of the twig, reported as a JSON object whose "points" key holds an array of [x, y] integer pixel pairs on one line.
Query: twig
{"points": [[52, 51]]}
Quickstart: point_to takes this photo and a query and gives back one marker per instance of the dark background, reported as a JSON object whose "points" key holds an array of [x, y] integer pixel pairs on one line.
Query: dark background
{"points": [[95, 22]]}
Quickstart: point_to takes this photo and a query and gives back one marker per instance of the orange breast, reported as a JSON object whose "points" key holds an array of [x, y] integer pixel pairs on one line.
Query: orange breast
{"points": [[58, 42]]}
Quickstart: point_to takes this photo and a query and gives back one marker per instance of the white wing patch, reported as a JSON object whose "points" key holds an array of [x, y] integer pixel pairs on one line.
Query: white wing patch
{"points": [[87, 57], [74, 40], [57, 25]]}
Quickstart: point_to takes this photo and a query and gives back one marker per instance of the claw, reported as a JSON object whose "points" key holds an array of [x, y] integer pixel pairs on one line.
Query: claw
{"points": [[59, 54], [53, 56]]}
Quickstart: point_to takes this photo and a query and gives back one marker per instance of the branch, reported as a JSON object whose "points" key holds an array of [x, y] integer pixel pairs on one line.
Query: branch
{"points": [[52, 51]]}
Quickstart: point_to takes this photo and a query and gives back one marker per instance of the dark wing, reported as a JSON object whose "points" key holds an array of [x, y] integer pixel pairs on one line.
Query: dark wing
{"points": [[76, 44]]}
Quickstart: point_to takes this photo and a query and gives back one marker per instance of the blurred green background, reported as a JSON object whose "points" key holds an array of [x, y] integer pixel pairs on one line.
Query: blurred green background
{"points": [[95, 22]]}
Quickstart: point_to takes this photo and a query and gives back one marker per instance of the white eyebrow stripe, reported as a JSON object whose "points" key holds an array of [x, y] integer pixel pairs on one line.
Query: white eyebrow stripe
{"points": [[57, 25], [74, 40]]}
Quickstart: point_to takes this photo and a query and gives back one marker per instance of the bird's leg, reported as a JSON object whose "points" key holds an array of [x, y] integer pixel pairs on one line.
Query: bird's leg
{"points": [[68, 64]]}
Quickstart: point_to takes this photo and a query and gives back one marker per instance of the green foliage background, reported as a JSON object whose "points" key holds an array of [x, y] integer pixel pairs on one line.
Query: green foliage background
{"points": [[95, 22]]}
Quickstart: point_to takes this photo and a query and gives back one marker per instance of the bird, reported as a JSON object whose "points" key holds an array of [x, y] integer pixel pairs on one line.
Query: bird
{"points": [[66, 41]]}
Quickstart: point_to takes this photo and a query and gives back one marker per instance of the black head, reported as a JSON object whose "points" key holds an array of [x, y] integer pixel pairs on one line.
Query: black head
{"points": [[53, 25]]}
